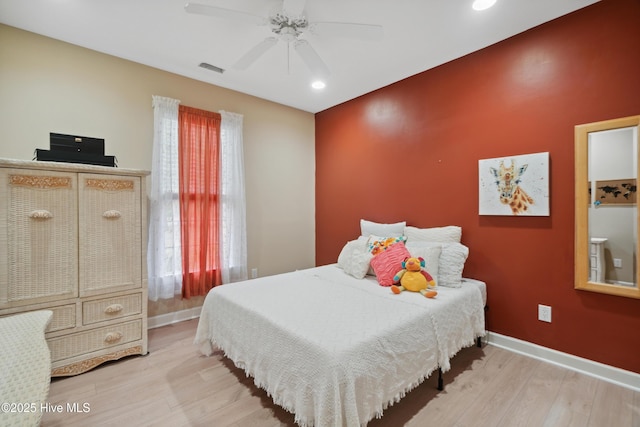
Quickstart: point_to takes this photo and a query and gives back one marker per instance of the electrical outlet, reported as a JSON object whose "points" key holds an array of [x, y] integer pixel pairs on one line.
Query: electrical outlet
{"points": [[617, 263], [544, 313], [254, 273]]}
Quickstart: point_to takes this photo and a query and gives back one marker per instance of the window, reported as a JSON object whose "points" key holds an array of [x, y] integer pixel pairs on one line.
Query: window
{"points": [[197, 230]]}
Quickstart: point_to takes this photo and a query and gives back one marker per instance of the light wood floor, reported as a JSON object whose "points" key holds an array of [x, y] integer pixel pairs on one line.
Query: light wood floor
{"points": [[175, 386]]}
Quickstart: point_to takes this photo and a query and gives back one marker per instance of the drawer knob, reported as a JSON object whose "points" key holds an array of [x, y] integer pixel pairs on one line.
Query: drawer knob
{"points": [[113, 308], [112, 337], [40, 214], [112, 214]]}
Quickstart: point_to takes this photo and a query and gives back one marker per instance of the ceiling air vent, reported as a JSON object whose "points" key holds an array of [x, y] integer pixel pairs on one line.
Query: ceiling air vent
{"points": [[211, 67]]}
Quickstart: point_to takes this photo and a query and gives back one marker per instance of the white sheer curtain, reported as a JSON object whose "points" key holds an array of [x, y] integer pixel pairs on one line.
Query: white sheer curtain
{"points": [[164, 260], [233, 223]]}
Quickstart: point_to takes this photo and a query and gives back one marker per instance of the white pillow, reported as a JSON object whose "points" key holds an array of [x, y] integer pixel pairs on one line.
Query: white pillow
{"points": [[451, 263], [431, 255], [368, 228], [451, 233], [354, 258]]}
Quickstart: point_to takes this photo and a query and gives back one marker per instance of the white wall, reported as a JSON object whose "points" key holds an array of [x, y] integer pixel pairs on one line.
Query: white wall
{"points": [[51, 86]]}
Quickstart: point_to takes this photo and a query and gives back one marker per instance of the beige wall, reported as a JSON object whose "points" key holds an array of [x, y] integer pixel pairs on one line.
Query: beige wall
{"points": [[51, 86]]}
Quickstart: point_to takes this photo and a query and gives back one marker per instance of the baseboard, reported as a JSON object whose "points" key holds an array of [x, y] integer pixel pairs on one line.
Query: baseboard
{"points": [[171, 318], [598, 370]]}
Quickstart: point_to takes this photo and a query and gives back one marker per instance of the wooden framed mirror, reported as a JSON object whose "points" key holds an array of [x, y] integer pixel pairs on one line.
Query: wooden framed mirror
{"points": [[606, 213]]}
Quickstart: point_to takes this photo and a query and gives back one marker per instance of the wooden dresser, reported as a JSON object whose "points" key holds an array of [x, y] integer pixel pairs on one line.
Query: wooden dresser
{"points": [[73, 240]]}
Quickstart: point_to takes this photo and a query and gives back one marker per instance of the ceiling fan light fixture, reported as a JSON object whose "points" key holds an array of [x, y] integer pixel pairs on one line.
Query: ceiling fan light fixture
{"points": [[318, 85], [483, 4], [288, 27]]}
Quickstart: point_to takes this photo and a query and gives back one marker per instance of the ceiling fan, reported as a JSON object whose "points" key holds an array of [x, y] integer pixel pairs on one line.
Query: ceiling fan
{"points": [[289, 23]]}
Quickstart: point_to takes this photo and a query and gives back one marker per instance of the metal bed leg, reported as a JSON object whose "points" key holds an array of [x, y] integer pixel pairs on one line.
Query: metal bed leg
{"points": [[479, 339]]}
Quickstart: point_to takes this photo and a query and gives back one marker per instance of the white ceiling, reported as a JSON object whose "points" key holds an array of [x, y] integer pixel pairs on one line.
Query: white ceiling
{"points": [[418, 35]]}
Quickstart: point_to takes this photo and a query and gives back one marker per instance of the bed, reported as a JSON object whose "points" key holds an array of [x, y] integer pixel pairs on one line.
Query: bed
{"points": [[334, 349]]}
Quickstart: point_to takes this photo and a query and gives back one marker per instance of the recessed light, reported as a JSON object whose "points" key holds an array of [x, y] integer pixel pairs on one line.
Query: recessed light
{"points": [[483, 4], [318, 84]]}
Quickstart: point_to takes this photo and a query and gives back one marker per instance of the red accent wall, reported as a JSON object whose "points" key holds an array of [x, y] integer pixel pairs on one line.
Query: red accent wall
{"points": [[410, 151]]}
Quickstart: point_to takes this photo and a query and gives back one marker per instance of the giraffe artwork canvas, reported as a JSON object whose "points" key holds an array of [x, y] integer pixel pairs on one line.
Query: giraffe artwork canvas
{"points": [[514, 185]]}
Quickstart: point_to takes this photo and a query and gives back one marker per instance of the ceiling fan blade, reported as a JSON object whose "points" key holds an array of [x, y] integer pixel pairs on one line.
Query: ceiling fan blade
{"points": [[311, 58], [347, 29], [254, 53], [293, 8], [219, 12]]}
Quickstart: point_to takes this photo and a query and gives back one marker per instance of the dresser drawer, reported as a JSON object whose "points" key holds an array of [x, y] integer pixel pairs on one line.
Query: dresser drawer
{"points": [[94, 339], [111, 308], [64, 317]]}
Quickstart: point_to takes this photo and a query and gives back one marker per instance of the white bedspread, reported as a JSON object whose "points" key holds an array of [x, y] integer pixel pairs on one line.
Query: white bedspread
{"points": [[335, 350], [25, 367]]}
